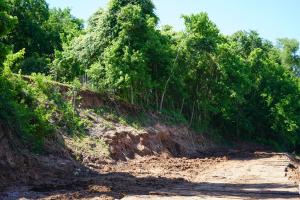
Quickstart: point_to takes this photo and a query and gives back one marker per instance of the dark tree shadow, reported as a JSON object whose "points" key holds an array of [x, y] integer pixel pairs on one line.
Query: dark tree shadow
{"points": [[120, 184]]}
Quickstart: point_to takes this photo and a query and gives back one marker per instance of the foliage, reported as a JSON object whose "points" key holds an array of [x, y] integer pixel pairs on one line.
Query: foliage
{"points": [[63, 25], [289, 56], [23, 113], [36, 108], [40, 31], [239, 85], [112, 114], [85, 146], [122, 52], [7, 23]]}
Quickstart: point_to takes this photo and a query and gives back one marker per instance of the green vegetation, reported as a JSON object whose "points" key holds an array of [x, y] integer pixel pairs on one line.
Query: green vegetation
{"points": [[137, 120], [40, 31], [87, 146], [240, 86], [36, 109]]}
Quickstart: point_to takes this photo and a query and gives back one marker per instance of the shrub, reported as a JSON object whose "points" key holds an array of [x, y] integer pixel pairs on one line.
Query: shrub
{"points": [[35, 108]]}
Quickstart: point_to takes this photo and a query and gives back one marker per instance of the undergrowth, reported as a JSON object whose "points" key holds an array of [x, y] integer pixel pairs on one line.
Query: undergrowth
{"points": [[137, 120], [85, 146], [35, 108], [140, 118]]}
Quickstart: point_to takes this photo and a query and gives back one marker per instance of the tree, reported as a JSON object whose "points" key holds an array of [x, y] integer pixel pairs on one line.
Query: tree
{"points": [[63, 26], [202, 39], [41, 32], [269, 111], [31, 34], [233, 86], [7, 23], [124, 60], [122, 51], [289, 57]]}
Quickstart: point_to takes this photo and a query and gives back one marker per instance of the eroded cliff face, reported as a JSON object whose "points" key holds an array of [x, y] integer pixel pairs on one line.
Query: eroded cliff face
{"points": [[10, 159], [171, 141], [19, 166], [106, 141], [65, 156]]}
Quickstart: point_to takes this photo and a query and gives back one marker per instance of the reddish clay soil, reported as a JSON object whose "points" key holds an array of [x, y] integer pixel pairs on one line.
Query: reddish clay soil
{"points": [[239, 176]]}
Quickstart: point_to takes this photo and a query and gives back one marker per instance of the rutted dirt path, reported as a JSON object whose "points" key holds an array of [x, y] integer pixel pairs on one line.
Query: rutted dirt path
{"points": [[261, 177], [238, 176]]}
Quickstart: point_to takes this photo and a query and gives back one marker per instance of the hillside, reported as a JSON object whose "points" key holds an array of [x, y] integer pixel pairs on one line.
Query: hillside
{"points": [[123, 144], [121, 106], [114, 131]]}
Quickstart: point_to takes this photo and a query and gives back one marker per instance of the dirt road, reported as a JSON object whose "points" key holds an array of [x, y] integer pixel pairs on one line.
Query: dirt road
{"points": [[261, 177], [255, 176]]}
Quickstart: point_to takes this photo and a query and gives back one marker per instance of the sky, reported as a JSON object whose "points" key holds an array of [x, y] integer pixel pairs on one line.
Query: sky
{"points": [[271, 18]]}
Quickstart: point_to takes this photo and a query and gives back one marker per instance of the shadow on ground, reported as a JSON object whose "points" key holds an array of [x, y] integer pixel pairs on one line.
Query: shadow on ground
{"points": [[118, 185]]}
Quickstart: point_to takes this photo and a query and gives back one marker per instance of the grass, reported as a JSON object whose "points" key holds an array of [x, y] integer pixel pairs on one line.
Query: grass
{"points": [[87, 146], [138, 120], [173, 117]]}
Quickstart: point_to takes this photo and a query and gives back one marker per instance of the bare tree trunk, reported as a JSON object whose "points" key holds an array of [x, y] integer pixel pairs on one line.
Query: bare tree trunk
{"points": [[173, 105], [131, 91], [164, 93], [200, 118], [181, 108], [167, 82], [147, 99], [238, 123], [192, 115], [156, 100], [74, 100]]}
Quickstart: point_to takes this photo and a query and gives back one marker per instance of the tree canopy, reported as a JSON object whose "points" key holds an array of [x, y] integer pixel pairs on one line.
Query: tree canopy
{"points": [[40, 31], [7, 22]]}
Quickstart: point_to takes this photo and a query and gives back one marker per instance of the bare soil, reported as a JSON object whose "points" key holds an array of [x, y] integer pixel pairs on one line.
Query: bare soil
{"points": [[235, 176]]}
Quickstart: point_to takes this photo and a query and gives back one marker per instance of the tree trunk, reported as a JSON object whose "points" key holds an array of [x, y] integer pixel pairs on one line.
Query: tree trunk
{"points": [[156, 100], [168, 80], [131, 92], [74, 100], [181, 108], [192, 115], [163, 94]]}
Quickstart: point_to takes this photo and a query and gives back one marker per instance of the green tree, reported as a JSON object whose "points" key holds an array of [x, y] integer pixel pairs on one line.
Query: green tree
{"points": [[122, 52], [270, 110], [41, 32], [124, 61], [7, 23], [31, 34], [289, 54], [202, 39], [63, 26]]}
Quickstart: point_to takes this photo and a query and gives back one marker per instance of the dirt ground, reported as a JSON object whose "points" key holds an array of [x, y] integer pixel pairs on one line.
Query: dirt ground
{"points": [[237, 176]]}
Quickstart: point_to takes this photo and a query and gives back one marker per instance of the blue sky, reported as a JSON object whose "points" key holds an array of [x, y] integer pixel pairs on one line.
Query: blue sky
{"points": [[271, 18]]}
